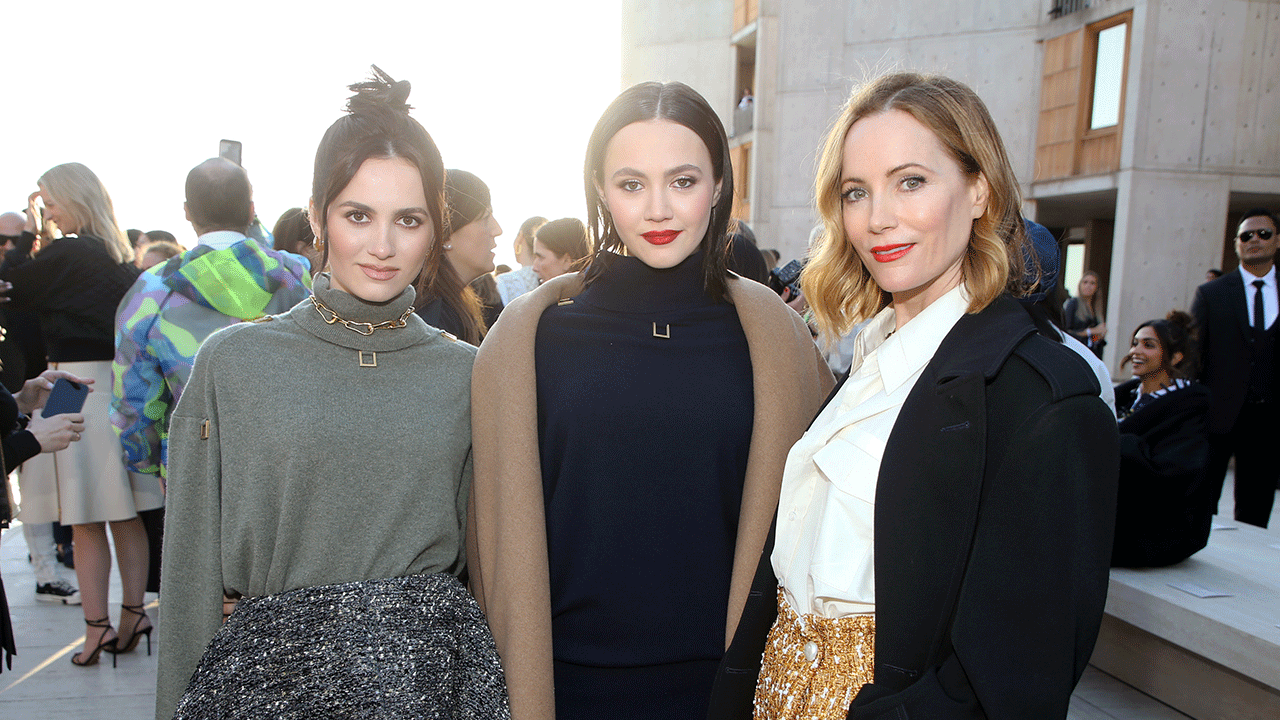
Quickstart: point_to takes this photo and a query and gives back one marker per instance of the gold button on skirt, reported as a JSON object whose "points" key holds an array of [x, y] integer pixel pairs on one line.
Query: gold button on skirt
{"points": [[814, 666]]}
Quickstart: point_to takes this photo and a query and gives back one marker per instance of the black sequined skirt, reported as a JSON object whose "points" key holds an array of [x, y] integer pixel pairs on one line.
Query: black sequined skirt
{"points": [[409, 647]]}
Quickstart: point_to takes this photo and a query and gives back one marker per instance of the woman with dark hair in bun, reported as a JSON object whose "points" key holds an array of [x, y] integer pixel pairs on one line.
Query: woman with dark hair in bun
{"points": [[1163, 513], [448, 302], [326, 624], [631, 425]]}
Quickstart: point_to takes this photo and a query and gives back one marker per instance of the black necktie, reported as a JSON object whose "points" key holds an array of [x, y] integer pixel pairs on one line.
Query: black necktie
{"points": [[1259, 317]]}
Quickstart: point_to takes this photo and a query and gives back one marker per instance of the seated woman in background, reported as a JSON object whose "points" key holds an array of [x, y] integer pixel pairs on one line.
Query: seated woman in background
{"points": [[1163, 514], [558, 246]]}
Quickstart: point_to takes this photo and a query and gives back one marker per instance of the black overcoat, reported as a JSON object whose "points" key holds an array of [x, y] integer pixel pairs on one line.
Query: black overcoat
{"points": [[1165, 507], [995, 507]]}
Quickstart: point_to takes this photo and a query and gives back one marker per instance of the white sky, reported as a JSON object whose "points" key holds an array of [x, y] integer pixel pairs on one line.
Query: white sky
{"points": [[141, 92]]}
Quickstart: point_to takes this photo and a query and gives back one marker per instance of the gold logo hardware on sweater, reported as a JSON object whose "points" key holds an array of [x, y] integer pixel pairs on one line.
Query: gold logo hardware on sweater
{"points": [[204, 430], [666, 331], [368, 358], [564, 301], [363, 328]]}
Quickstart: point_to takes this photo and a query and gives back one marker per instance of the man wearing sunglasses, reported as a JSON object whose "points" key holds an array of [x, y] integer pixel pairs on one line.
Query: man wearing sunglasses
{"points": [[1235, 318]]}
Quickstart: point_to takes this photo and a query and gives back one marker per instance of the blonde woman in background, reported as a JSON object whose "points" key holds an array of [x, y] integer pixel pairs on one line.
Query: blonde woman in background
{"points": [[73, 282], [1082, 314]]}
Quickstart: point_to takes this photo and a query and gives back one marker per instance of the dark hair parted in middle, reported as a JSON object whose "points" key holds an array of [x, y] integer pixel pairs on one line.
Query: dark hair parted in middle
{"points": [[378, 125], [680, 104]]}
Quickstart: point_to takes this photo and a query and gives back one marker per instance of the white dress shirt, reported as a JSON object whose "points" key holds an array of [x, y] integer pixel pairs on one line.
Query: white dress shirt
{"points": [[1269, 309], [824, 554], [220, 239]]}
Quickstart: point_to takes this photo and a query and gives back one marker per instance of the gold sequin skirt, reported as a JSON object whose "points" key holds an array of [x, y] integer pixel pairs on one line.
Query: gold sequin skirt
{"points": [[814, 666]]}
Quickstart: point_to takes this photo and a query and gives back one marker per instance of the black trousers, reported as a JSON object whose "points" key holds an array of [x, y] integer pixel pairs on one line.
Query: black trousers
{"points": [[1253, 442]]}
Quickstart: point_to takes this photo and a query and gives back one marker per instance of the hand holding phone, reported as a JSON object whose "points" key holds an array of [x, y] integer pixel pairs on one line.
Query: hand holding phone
{"points": [[67, 397]]}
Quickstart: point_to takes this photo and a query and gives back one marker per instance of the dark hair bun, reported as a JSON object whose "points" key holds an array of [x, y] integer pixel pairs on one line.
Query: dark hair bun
{"points": [[379, 94], [1178, 317]]}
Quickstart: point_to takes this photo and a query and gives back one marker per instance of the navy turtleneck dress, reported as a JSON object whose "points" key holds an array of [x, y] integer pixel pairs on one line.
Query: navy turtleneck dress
{"points": [[643, 444]]}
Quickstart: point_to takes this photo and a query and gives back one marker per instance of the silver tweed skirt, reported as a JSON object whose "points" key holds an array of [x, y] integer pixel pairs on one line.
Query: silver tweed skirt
{"points": [[409, 647]]}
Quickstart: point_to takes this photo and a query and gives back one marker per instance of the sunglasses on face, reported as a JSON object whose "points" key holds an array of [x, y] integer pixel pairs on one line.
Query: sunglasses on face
{"points": [[1248, 235]]}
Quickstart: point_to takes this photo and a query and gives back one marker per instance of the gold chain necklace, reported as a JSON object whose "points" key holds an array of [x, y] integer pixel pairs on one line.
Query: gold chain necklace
{"points": [[363, 328]]}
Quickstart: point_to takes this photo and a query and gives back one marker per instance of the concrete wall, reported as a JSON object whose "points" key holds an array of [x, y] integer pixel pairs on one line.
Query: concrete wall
{"points": [[684, 40], [825, 50], [1212, 99], [1201, 119]]}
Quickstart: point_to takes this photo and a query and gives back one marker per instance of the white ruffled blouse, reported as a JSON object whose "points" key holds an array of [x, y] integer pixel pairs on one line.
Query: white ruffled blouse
{"points": [[824, 551]]}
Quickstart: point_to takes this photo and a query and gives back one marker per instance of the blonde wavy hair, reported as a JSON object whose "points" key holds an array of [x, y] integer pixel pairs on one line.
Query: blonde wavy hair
{"points": [[82, 197], [839, 288]]}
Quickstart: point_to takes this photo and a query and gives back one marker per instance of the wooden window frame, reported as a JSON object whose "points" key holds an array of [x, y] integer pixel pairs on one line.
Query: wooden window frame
{"points": [[1089, 67]]}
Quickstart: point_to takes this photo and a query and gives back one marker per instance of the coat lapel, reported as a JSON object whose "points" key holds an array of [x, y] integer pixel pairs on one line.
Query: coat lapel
{"points": [[929, 488]]}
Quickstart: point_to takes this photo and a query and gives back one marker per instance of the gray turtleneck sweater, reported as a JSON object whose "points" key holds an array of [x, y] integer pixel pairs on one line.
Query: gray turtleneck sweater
{"points": [[304, 453]]}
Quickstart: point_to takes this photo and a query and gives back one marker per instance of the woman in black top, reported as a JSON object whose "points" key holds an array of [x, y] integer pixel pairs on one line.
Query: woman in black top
{"points": [[645, 450], [1082, 314], [1163, 514], [449, 302], [73, 283]]}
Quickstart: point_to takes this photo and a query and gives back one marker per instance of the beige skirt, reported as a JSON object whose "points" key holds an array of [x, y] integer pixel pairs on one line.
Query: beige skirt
{"points": [[87, 482], [813, 666]]}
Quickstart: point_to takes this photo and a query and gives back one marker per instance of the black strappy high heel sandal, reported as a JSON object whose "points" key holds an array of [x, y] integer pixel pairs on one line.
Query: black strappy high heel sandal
{"points": [[133, 638], [108, 645]]}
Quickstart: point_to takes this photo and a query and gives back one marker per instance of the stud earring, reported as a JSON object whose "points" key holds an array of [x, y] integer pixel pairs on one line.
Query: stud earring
{"points": [[318, 244], [448, 246]]}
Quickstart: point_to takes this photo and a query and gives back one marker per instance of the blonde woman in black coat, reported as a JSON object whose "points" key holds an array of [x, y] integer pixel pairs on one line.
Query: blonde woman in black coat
{"points": [[944, 528]]}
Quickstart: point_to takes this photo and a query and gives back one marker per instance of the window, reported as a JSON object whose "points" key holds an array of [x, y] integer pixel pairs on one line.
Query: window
{"points": [[1108, 76], [1082, 100]]}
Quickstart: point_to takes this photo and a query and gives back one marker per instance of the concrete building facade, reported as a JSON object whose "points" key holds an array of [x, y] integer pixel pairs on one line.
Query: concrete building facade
{"points": [[1139, 129]]}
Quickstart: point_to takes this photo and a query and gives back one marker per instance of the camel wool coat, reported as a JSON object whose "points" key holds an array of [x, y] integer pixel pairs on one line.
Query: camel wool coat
{"points": [[507, 540]]}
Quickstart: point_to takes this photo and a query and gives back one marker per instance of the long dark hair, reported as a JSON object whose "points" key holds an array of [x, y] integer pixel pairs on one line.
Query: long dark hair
{"points": [[681, 104], [378, 125]]}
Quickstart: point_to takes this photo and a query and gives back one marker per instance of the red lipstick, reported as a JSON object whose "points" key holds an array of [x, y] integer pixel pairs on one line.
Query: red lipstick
{"points": [[889, 253], [660, 237]]}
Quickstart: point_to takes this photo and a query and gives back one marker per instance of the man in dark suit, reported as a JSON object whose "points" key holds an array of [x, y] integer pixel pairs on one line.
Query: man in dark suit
{"points": [[1235, 317]]}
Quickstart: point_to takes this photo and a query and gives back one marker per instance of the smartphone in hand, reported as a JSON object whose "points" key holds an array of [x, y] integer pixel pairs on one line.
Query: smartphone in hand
{"points": [[67, 396]]}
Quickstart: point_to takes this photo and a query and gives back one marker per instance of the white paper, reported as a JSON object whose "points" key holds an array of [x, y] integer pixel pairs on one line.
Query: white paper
{"points": [[1198, 590]]}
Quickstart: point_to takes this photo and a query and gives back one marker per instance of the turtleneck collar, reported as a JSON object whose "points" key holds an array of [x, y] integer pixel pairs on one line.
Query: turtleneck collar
{"points": [[352, 308], [626, 284]]}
